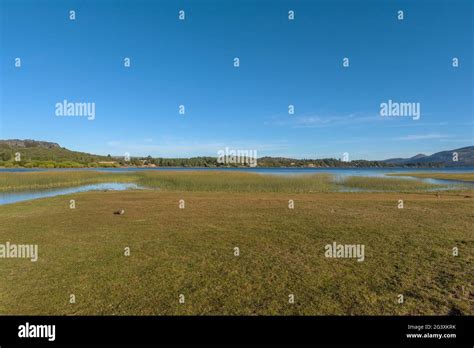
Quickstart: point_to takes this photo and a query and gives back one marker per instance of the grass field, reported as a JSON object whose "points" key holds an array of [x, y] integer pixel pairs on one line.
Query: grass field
{"points": [[190, 251]]}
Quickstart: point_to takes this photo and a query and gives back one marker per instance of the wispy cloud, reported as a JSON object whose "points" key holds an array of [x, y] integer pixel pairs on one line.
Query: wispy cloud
{"points": [[313, 120], [422, 137], [459, 140]]}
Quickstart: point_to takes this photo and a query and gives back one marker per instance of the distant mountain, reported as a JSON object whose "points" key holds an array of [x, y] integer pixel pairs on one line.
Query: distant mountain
{"points": [[33, 150], [465, 157], [29, 143], [420, 155], [403, 160]]}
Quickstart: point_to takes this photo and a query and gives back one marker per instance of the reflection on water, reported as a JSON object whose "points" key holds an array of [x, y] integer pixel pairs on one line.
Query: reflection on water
{"points": [[444, 184], [12, 197]]}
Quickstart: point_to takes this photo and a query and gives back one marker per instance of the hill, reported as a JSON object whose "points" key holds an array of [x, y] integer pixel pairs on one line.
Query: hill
{"points": [[33, 153], [465, 157]]}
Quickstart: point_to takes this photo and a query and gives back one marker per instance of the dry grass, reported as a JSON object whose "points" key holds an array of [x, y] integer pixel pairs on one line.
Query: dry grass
{"points": [[190, 251]]}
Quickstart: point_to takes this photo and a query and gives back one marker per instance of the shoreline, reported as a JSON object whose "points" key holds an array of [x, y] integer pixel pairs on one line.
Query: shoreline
{"points": [[243, 167]]}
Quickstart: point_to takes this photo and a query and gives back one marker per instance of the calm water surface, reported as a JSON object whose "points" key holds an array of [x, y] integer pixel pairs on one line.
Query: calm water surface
{"points": [[13, 197], [275, 171]]}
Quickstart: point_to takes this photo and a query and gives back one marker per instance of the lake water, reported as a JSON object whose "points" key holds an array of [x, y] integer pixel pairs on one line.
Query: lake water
{"points": [[339, 173], [12, 197], [275, 171]]}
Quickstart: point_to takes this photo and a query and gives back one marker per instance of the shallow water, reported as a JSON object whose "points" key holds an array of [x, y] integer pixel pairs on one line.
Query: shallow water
{"points": [[13, 197]]}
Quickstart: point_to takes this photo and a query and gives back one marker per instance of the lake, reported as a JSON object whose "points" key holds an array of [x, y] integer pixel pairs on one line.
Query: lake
{"points": [[13, 197], [274, 171]]}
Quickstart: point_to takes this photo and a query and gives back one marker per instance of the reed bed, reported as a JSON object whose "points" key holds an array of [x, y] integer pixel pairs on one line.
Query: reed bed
{"points": [[207, 181], [235, 182], [387, 184]]}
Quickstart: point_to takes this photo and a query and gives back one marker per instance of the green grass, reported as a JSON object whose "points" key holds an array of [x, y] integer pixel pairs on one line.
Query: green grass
{"points": [[190, 251], [171, 180], [386, 184], [445, 176], [209, 181], [216, 181]]}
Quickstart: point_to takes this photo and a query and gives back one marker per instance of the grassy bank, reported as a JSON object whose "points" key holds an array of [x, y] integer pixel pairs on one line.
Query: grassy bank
{"points": [[172, 181], [446, 176], [386, 184], [235, 182], [191, 251], [207, 181]]}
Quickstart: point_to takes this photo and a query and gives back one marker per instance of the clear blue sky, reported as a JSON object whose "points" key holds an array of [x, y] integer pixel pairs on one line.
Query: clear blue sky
{"points": [[282, 62]]}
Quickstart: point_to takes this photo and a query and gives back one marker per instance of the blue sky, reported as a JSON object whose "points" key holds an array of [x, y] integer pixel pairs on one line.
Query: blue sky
{"points": [[282, 62]]}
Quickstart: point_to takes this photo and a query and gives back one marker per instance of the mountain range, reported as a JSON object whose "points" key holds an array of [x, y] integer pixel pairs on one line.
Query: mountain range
{"points": [[458, 157]]}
